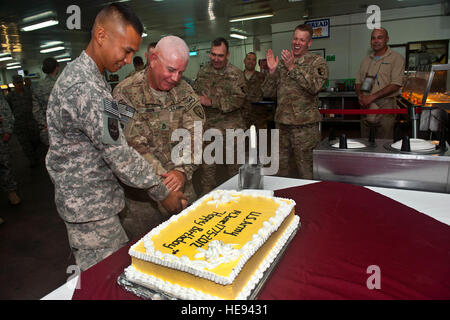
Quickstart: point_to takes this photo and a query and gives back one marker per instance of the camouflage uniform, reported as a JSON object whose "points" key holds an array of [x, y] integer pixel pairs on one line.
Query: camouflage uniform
{"points": [[297, 116], [150, 134], [226, 89], [7, 181], [257, 115], [87, 156], [25, 127], [41, 93]]}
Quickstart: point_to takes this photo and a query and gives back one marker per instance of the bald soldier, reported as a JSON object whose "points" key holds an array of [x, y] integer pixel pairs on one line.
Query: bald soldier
{"points": [[163, 103], [296, 83], [88, 153], [221, 88], [384, 68]]}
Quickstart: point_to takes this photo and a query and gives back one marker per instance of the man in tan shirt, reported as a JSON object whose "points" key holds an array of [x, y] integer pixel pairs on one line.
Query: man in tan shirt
{"points": [[384, 69]]}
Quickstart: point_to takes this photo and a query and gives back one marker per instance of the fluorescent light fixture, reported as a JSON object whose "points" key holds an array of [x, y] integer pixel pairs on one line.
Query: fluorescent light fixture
{"points": [[40, 25], [52, 49], [38, 16], [193, 53], [144, 35], [258, 16], [64, 59], [237, 36], [5, 58], [51, 44], [14, 67], [12, 64], [5, 54]]}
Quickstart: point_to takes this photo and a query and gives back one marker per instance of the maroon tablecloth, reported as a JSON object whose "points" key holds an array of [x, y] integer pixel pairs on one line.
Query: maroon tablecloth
{"points": [[345, 230]]}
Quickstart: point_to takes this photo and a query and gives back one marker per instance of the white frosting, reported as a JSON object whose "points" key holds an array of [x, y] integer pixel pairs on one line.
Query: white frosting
{"points": [[191, 294], [200, 268], [218, 253]]}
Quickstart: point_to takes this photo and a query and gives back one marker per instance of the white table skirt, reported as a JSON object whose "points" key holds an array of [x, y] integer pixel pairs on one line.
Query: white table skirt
{"points": [[435, 205]]}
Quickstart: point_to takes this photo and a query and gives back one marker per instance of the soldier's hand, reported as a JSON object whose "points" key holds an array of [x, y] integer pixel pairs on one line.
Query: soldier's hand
{"points": [[174, 180], [205, 100], [175, 202], [288, 59], [272, 62]]}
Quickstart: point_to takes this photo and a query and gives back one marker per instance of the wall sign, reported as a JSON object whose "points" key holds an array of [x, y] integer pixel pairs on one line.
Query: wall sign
{"points": [[321, 28]]}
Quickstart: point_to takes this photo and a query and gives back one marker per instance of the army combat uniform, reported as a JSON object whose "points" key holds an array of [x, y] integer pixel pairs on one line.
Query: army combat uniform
{"points": [[257, 115], [297, 115], [226, 89], [87, 155], [25, 127], [40, 95], [7, 180], [158, 114]]}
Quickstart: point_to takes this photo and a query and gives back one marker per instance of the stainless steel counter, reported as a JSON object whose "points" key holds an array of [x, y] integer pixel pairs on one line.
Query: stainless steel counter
{"points": [[378, 165]]}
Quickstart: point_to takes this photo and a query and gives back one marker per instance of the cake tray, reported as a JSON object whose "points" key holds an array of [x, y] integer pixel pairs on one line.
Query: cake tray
{"points": [[156, 294]]}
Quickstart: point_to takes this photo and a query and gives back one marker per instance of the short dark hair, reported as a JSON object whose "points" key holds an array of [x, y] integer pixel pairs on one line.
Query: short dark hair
{"points": [[152, 45], [126, 14], [305, 27], [218, 42], [49, 65], [250, 53], [138, 60]]}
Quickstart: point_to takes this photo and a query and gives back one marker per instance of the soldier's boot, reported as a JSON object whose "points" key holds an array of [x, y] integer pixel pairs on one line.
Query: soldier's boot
{"points": [[13, 198]]}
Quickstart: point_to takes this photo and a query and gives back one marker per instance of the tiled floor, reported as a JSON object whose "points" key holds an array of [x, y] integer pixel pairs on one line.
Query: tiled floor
{"points": [[34, 250]]}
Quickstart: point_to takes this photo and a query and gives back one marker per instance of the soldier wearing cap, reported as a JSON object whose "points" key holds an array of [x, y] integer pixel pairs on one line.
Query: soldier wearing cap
{"points": [[88, 153], [296, 83], [221, 88], [25, 127], [7, 180], [163, 103], [40, 95]]}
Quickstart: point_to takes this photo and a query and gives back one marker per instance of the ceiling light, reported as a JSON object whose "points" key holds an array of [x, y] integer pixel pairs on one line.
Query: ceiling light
{"points": [[14, 67], [39, 16], [64, 59], [237, 36], [144, 35], [5, 54], [51, 44], [5, 58], [259, 16], [40, 25], [12, 64], [52, 49]]}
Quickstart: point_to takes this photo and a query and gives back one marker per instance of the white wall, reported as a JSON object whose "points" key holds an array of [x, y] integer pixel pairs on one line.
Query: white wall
{"points": [[349, 37]]}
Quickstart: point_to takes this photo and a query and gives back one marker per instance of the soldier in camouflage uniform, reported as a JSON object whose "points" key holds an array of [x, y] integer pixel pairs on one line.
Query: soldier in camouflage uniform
{"points": [[88, 153], [296, 83], [221, 88], [25, 127], [163, 103], [257, 115], [41, 93], [7, 180]]}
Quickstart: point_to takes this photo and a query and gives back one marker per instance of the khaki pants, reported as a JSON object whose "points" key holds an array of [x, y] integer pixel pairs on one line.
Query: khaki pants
{"points": [[383, 124]]}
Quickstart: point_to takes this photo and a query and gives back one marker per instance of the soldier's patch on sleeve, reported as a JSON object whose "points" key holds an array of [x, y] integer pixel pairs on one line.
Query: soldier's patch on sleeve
{"points": [[198, 110], [110, 128], [126, 113]]}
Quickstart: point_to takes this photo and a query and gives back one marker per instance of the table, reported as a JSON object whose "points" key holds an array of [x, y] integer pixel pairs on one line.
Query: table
{"points": [[434, 205]]}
